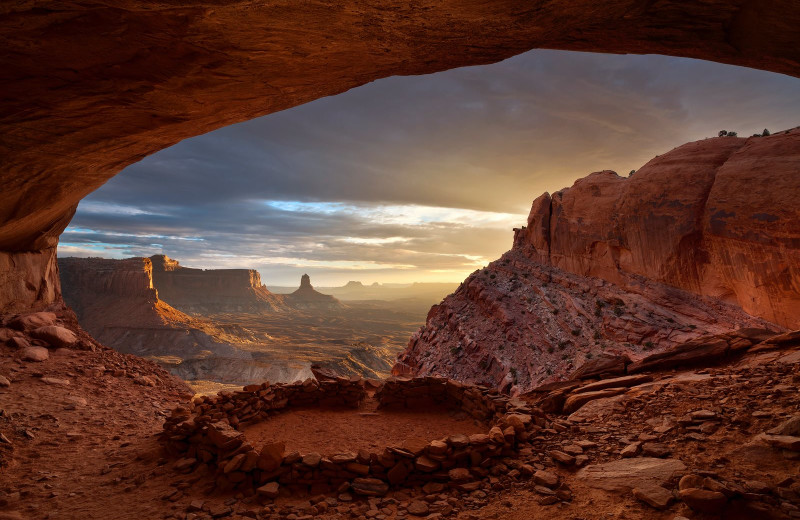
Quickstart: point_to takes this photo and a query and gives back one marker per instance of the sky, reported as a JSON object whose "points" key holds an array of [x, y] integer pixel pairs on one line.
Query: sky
{"points": [[416, 178]]}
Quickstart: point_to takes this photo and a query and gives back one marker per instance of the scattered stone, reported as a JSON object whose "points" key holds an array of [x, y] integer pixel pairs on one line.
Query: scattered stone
{"points": [[631, 450], [654, 449], [418, 508], [703, 500], [35, 354], [269, 490], [372, 487], [312, 459], [33, 320], [4, 382], [786, 442], [626, 474], [55, 381], [561, 457], [460, 474], [655, 496], [55, 335], [546, 478], [788, 427], [690, 481]]}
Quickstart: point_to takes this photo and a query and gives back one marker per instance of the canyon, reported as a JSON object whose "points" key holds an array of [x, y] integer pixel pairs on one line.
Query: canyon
{"points": [[701, 240], [218, 328]]}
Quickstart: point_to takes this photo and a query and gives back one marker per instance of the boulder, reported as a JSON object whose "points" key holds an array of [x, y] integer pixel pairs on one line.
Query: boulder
{"points": [[33, 321], [703, 500], [269, 490], [55, 335], [655, 496], [34, 354], [626, 474], [575, 401], [370, 487]]}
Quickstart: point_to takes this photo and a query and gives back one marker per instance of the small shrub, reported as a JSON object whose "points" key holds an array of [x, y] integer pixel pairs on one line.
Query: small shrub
{"points": [[597, 335], [455, 350], [648, 345], [670, 320], [492, 276], [554, 311], [562, 344], [617, 311], [589, 355], [576, 332], [765, 133], [564, 357], [551, 349]]}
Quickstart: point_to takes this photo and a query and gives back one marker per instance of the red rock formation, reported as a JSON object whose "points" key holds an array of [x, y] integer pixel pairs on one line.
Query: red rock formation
{"points": [[116, 302], [306, 297], [623, 266], [90, 87], [717, 217], [209, 291]]}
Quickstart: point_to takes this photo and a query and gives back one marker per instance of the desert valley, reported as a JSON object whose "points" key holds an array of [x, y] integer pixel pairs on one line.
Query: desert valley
{"points": [[633, 354], [222, 328]]}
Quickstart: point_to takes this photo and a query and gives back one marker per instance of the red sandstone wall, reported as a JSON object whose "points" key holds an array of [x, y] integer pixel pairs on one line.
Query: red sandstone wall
{"points": [[717, 217]]}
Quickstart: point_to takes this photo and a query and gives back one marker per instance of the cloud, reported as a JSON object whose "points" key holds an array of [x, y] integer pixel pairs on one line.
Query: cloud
{"points": [[416, 178]]}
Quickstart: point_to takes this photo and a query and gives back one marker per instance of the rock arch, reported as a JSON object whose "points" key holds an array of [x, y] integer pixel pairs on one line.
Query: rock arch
{"points": [[91, 87]]}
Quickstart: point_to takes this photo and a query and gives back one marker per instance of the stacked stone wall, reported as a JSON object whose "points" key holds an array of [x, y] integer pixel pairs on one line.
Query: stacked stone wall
{"points": [[208, 432]]}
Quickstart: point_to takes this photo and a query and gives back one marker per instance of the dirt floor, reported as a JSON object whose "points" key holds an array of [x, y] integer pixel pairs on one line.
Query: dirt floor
{"points": [[342, 430]]}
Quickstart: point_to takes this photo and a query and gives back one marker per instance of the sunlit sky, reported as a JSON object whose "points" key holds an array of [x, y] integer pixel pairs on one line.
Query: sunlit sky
{"points": [[416, 178]]}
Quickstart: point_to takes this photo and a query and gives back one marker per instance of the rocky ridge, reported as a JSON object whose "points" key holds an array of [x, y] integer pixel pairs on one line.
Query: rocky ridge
{"points": [[628, 266], [211, 291]]}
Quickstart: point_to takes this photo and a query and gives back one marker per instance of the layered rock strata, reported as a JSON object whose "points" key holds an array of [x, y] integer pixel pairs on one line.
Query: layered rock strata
{"points": [[116, 302], [210, 291], [702, 240]]}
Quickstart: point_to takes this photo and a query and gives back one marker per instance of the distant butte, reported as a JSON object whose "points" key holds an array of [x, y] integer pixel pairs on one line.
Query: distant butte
{"points": [[306, 297]]}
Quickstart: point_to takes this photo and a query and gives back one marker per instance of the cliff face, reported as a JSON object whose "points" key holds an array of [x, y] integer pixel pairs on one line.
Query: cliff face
{"points": [[630, 266], [115, 301], [717, 218], [213, 290]]}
